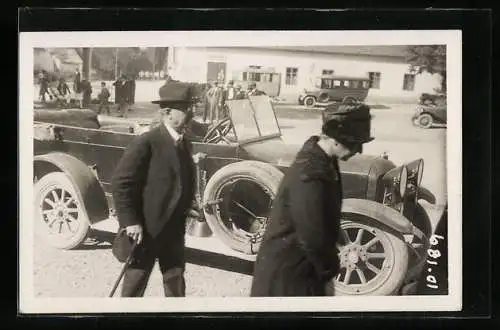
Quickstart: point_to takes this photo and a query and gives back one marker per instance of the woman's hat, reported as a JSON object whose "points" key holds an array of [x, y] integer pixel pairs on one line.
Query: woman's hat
{"points": [[350, 124]]}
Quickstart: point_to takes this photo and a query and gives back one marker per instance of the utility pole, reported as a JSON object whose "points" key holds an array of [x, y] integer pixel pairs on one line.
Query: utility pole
{"points": [[116, 63], [154, 61]]}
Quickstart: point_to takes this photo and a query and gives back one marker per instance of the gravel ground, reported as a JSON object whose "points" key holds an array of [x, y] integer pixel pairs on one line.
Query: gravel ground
{"points": [[91, 270]]}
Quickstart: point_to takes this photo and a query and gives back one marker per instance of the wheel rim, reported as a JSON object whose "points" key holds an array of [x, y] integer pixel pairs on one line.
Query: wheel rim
{"points": [[309, 101], [366, 259], [424, 121], [242, 211], [60, 212]]}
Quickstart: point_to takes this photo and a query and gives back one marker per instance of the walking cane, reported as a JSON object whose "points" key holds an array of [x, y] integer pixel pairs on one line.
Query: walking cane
{"points": [[125, 266]]}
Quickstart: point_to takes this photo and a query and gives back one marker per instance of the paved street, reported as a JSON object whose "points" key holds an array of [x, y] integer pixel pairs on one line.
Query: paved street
{"points": [[90, 271]]}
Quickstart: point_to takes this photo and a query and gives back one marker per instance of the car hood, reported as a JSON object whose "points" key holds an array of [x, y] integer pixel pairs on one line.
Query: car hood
{"points": [[275, 151]]}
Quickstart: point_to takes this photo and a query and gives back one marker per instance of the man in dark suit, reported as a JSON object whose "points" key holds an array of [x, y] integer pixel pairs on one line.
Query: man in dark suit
{"points": [[253, 91], [297, 256], [153, 190]]}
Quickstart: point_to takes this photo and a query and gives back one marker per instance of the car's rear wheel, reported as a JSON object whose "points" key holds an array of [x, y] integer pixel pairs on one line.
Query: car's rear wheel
{"points": [[238, 200], [373, 261], [349, 100], [425, 120], [60, 219], [310, 101], [323, 98]]}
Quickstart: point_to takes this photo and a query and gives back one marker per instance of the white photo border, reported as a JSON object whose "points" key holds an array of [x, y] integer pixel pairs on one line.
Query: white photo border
{"points": [[28, 303]]}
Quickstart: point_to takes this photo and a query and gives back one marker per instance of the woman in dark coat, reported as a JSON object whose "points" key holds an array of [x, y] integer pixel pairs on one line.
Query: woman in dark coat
{"points": [[298, 254]]}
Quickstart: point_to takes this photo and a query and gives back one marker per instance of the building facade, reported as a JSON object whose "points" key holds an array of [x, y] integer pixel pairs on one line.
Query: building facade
{"points": [[390, 79]]}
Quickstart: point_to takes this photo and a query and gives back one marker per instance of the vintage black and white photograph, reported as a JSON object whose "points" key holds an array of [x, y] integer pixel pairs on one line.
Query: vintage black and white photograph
{"points": [[240, 171]]}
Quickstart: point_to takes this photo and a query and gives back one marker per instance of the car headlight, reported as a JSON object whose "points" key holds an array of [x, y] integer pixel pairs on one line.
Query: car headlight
{"points": [[403, 181], [415, 172], [397, 180]]}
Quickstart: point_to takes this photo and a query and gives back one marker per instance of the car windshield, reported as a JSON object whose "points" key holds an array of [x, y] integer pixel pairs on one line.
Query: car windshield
{"points": [[253, 118]]}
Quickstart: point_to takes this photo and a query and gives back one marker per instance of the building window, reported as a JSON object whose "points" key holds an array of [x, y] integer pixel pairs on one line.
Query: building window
{"points": [[374, 79], [327, 72], [291, 76], [409, 82]]}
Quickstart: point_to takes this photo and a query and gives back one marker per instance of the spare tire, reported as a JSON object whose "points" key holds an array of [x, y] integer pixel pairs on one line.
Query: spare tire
{"points": [[238, 199]]}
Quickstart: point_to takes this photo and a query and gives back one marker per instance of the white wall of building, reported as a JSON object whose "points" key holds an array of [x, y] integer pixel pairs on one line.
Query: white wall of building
{"points": [[190, 64]]}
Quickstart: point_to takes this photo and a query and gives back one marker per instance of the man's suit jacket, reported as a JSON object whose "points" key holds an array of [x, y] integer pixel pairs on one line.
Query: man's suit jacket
{"points": [[147, 183]]}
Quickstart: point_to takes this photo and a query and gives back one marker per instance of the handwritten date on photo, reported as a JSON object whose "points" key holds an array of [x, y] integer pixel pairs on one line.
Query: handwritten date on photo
{"points": [[437, 263]]}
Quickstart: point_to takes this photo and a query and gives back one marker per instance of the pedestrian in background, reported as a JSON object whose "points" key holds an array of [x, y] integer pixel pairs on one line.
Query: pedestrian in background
{"points": [[253, 90], [121, 95], [104, 99], [239, 93], [86, 93], [77, 87], [64, 91], [298, 256], [43, 81]]}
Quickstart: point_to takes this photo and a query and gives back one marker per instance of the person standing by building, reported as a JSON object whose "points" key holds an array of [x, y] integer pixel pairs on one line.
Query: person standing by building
{"points": [[132, 89], [253, 91], [298, 256], [153, 190], [228, 94], [239, 94], [104, 99], [43, 81], [214, 98], [64, 90], [86, 88], [120, 95], [77, 87]]}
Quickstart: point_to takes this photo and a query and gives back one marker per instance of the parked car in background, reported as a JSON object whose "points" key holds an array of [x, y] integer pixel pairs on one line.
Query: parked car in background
{"points": [[429, 116], [331, 88], [240, 162], [437, 99]]}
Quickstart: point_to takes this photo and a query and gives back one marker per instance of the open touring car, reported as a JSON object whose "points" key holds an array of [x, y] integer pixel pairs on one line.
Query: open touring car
{"points": [[240, 163]]}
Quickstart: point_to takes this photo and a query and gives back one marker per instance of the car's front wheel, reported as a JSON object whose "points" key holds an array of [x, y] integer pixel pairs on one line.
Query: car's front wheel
{"points": [[373, 261], [310, 101], [425, 120], [59, 215]]}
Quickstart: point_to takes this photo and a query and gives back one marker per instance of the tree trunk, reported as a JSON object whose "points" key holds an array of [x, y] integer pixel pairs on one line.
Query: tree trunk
{"points": [[87, 52], [443, 82]]}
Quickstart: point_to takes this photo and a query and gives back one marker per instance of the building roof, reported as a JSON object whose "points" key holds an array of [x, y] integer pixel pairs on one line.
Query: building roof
{"points": [[388, 51]]}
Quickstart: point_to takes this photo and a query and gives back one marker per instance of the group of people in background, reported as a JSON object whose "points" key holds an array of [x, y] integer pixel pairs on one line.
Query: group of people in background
{"points": [[217, 95], [81, 94], [82, 89]]}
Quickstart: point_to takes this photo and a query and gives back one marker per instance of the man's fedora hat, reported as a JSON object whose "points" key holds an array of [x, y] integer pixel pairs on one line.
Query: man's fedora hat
{"points": [[176, 95]]}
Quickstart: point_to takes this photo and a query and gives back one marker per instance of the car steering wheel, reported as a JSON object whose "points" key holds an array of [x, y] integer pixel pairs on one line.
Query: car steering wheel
{"points": [[218, 132]]}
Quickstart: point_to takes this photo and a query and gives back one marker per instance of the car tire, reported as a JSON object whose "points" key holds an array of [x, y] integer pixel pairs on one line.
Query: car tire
{"points": [[349, 99], [218, 207], [57, 204], [310, 101], [391, 270], [425, 120], [324, 98]]}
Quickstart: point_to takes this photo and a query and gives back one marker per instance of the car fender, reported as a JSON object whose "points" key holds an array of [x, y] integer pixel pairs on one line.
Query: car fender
{"points": [[380, 213], [89, 189], [426, 195]]}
